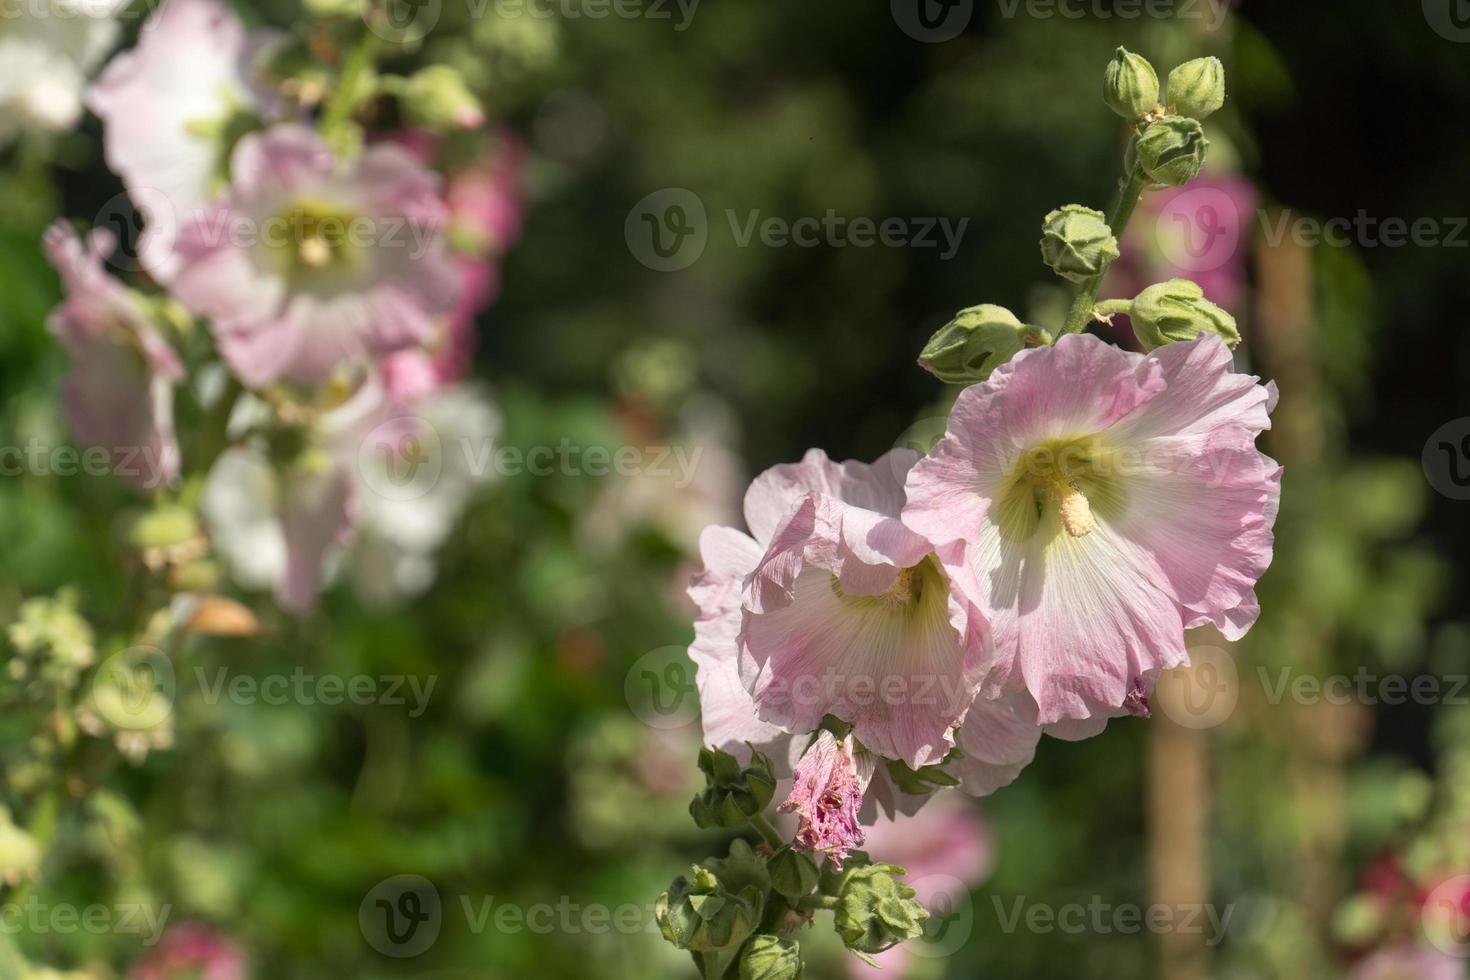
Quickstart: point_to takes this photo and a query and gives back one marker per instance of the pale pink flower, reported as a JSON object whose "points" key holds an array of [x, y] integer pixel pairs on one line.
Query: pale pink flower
{"points": [[850, 613], [826, 796], [119, 394], [1093, 504], [308, 263], [192, 951], [167, 107]]}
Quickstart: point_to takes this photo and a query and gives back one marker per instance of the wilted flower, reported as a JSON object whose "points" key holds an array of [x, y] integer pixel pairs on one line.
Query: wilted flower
{"points": [[1104, 502], [173, 106], [120, 392], [826, 796], [47, 49], [307, 263]]}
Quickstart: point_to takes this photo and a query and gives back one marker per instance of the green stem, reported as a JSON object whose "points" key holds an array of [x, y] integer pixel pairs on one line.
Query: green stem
{"points": [[709, 965], [1080, 315], [1112, 307], [768, 831], [348, 97], [815, 903]]}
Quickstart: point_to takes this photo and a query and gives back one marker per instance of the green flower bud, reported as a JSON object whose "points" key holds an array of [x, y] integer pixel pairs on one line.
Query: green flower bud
{"points": [[733, 794], [793, 874], [1130, 85], [1172, 150], [771, 958], [1077, 242], [976, 342], [875, 911], [1197, 88], [166, 526], [717, 905], [1177, 310], [439, 98]]}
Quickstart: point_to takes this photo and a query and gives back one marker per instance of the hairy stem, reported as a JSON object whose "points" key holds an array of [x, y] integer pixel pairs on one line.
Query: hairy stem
{"points": [[1080, 315]]}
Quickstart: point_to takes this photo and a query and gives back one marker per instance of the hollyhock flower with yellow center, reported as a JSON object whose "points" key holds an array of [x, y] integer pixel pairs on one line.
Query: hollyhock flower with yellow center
{"points": [[1093, 504], [308, 263], [834, 607]]}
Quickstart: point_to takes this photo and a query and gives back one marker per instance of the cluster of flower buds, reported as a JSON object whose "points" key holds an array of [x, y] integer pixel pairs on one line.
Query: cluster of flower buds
{"points": [[737, 912]]}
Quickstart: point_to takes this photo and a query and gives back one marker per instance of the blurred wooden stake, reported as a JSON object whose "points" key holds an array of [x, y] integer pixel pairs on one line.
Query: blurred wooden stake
{"points": [[1178, 834]]}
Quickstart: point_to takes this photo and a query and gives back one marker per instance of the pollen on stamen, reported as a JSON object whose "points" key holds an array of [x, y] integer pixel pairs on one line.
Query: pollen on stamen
{"points": [[315, 252], [1076, 513]]}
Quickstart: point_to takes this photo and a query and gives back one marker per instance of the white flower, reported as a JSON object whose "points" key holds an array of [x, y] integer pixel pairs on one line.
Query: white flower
{"points": [[47, 50]]}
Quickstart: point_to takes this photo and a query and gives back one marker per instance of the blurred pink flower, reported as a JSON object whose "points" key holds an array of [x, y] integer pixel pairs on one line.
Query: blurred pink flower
{"points": [[305, 264], [826, 795], [167, 105], [119, 394], [1093, 504], [192, 951], [1200, 232], [486, 204]]}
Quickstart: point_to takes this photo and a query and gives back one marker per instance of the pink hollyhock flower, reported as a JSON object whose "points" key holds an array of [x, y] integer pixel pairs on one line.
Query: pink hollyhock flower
{"points": [[826, 795], [192, 951], [307, 264], [833, 606], [119, 394], [1409, 962], [1093, 504], [850, 613], [168, 108]]}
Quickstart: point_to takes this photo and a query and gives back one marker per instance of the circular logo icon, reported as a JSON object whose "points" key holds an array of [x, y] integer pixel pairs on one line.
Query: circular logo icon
{"points": [[1198, 230], [1446, 917], [401, 916], [1449, 18], [142, 227], [932, 21], [134, 689], [951, 915], [1446, 459], [1202, 695], [667, 230], [401, 459], [660, 689], [401, 21]]}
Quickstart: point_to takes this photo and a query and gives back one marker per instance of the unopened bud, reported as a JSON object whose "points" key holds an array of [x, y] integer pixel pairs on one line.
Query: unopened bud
{"points": [[771, 958], [1077, 243], [1171, 151], [1197, 88], [972, 345], [1177, 310], [733, 793], [875, 911], [439, 98], [1130, 85]]}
